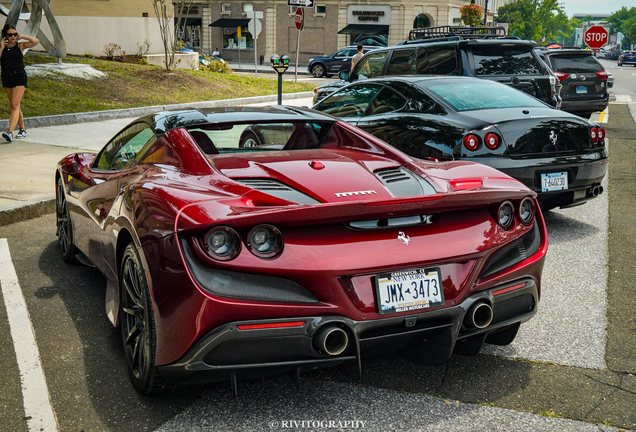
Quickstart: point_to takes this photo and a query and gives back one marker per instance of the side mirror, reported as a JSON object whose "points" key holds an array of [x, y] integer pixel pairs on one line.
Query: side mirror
{"points": [[344, 74]]}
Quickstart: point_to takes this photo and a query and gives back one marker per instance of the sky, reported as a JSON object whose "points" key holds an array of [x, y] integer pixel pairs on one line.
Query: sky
{"points": [[595, 6]]}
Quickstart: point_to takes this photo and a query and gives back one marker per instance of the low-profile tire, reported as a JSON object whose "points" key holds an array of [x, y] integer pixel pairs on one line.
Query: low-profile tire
{"points": [[249, 139], [318, 71], [64, 225], [137, 324]]}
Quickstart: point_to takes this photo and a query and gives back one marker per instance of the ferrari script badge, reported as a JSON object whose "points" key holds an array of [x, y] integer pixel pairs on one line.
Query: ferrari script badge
{"points": [[405, 238]]}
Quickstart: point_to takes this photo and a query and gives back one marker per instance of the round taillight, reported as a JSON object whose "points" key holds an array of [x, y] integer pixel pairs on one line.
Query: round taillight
{"points": [[601, 134], [594, 134], [505, 215], [471, 142], [526, 211], [491, 140], [265, 241], [222, 243]]}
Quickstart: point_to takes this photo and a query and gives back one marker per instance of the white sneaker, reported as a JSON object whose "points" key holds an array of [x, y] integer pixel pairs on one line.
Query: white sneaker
{"points": [[8, 136], [21, 134]]}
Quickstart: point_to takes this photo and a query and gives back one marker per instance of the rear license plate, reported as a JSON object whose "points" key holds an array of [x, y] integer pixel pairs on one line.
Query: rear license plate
{"points": [[409, 290], [581, 89], [554, 181]]}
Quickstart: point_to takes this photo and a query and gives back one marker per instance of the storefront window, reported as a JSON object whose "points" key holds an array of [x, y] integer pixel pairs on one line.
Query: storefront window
{"points": [[231, 41]]}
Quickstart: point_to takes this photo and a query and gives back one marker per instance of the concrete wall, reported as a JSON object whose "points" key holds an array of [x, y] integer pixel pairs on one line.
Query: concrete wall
{"points": [[184, 60], [91, 34]]}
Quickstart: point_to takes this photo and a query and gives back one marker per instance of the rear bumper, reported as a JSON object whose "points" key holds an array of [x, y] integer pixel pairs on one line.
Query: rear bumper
{"points": [[586, 105], [429, 337], [585, 172]]}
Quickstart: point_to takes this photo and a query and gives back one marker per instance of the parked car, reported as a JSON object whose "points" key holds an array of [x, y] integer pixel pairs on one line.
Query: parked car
{"points": [[558, 155], [627, 57], [583, 78], [326, 66], [477, 52], [225, 262]]}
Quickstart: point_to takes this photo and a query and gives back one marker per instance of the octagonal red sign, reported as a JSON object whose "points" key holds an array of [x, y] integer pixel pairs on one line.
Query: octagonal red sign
{"points": [[596, 36], [299, 19]]}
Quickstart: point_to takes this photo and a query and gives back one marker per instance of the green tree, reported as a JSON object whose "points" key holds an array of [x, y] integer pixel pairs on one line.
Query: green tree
{"points": [[536, 20], [624, 21]]}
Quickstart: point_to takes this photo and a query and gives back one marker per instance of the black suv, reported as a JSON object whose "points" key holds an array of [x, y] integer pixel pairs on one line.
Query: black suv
{"points": [[470, 51], [583, 78]]}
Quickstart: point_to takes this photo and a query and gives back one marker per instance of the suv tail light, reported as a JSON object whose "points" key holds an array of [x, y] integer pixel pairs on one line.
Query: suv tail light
{"points": [[471, 142], [602, 75], [561, 75], [594, 134]]}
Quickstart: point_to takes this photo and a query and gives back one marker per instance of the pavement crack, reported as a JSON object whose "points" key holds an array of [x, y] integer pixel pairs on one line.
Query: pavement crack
{"points": [[443, 381], [617, 387]]}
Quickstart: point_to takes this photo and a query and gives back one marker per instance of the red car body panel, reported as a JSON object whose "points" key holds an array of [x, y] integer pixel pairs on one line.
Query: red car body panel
{"points": [[176, 193]]}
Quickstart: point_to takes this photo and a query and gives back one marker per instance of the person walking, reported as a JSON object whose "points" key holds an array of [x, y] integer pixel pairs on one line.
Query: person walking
{"points": [[14, 77], [357, 56]]}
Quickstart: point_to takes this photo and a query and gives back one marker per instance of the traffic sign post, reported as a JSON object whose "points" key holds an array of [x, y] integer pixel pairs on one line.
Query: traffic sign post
{"points": [[299, 19], [254, 27], [596, 37]]}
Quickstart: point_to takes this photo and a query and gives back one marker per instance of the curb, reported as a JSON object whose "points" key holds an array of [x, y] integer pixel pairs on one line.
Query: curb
{"points": [[94, 116], [27, 210]]}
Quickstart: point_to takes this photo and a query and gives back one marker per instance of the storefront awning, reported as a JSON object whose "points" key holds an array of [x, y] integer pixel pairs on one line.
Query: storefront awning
{"points": [[371, 29], [189, 22], [230, 22]]}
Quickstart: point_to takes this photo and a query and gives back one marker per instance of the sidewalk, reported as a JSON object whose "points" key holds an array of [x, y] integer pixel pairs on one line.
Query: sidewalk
{"points": [[27, 167]]}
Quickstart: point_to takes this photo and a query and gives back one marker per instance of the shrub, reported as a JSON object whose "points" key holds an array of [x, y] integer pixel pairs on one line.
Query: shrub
{"points": [[143, 61], [111, 50], [143, 48], [217, 66], [89, 55]]}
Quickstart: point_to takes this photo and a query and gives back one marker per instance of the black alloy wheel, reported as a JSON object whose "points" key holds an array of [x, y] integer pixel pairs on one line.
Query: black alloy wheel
{"points": [[64, 225], [249, 139], [137, 324], [318, 71]]}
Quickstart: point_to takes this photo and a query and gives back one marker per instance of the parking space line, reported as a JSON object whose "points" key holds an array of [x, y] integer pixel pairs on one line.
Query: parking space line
{"points": [[602, 118], [37, 405]]}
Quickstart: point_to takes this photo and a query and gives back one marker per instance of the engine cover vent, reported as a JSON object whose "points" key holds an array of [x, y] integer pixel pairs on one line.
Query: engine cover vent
{"points": [[277, 189], [402, 182]]}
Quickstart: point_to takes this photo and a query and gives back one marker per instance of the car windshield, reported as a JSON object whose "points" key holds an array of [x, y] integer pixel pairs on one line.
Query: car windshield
{"points": [[572, 63], [474, 95], [265, 136]]}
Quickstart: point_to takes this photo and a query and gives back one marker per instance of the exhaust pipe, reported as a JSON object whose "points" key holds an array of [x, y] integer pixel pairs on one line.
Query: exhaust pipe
{"points": [[600, 190], [331, 339], [478, 316], [595, 191]]}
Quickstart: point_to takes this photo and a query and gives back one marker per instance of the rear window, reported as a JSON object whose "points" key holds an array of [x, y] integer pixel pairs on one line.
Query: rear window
{"points": [[499, 60], [575, 63], [468, 96]]}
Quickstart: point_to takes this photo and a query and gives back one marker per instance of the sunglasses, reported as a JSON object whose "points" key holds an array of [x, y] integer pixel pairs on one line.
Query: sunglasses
{"points": [[12, 34]]}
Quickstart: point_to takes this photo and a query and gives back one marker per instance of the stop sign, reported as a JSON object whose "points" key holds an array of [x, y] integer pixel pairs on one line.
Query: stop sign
{"points": [[299, 19], [596, 36]]}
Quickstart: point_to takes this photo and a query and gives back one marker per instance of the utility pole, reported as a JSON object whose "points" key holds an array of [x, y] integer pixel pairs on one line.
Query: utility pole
{"points": [[486, 12]]}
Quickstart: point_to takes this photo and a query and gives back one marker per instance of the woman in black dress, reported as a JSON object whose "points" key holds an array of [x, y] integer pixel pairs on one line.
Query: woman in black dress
{"points": [[14, 77]]}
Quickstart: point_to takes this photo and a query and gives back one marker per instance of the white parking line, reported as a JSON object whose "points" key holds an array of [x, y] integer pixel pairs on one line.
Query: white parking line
{"points": [[35, 395]]}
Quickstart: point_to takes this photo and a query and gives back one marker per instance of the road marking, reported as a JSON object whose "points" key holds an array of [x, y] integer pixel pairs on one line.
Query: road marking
{"points": [[35, 395], [602, 118]]}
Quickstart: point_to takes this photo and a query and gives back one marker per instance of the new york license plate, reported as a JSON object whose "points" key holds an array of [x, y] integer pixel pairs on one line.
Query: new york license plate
{"points": [[554, 181], [409, 290]]}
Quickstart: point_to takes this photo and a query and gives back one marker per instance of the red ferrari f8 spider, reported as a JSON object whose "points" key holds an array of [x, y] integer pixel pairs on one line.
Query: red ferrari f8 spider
{"points": [[318, 247]]}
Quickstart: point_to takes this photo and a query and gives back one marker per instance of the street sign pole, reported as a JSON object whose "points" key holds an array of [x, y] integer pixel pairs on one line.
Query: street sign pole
{"points": [[299, 20], [254, 27], [238, 40]]}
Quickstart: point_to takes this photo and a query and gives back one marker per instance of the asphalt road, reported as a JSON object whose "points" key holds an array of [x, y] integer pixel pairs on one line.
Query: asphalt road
{"points": [[574, 362]]}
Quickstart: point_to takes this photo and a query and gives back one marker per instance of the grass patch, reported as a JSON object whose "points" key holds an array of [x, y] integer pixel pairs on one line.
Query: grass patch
{"points": [[130, 85]]}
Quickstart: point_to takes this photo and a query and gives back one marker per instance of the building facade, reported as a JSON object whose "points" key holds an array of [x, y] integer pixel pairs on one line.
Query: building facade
{"points": [[88, 25]]}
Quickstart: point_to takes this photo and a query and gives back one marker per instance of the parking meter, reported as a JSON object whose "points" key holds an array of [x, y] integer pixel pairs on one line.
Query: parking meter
{"points": [[280, 65]]}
